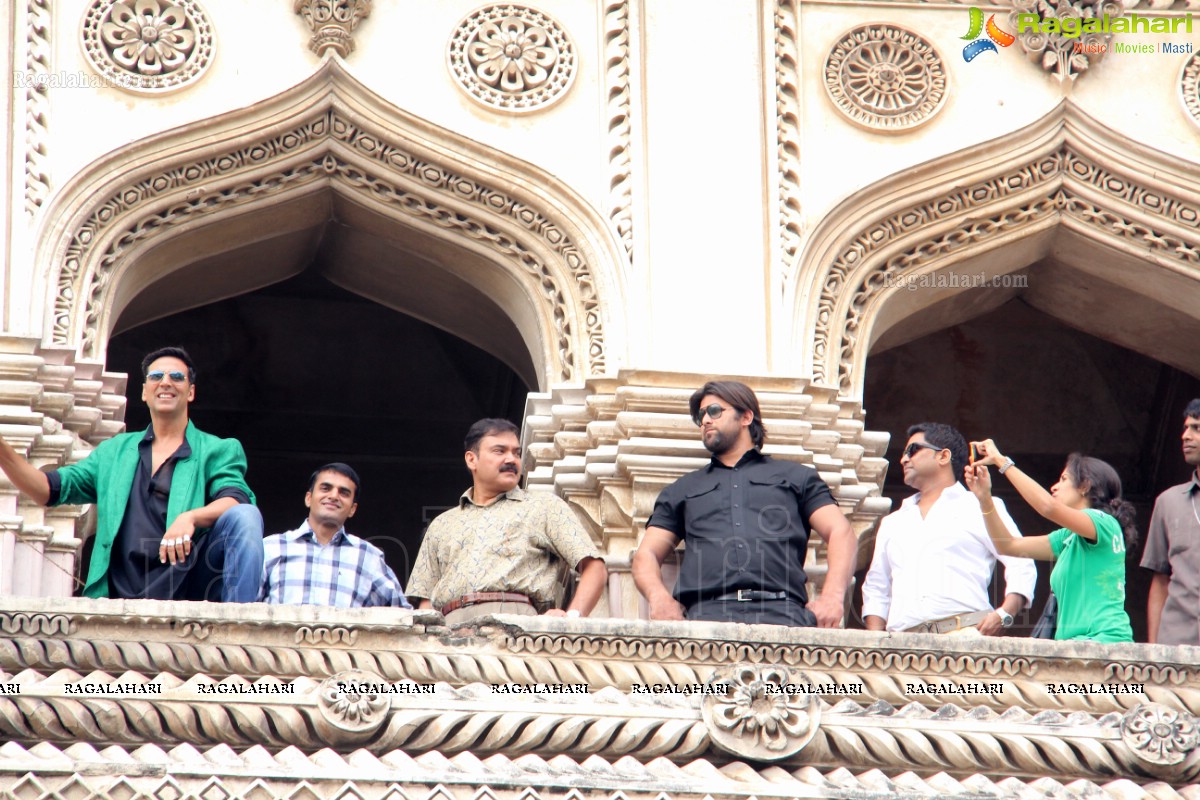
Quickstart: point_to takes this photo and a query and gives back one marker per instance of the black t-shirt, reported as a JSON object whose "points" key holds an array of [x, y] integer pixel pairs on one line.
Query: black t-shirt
{"points": [[745, 527]]}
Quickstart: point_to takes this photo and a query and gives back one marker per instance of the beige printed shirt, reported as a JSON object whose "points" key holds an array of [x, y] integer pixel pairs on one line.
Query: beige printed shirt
{"points": [[519, 543]]}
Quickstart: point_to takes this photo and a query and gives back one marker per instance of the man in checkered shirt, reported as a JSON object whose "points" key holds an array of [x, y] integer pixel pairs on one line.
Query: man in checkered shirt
{"points": [[319, 563]]}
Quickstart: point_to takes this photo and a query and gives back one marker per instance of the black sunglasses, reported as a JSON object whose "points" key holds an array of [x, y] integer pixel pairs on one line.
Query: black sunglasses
{"points": [[913, 447], [715, 410]]}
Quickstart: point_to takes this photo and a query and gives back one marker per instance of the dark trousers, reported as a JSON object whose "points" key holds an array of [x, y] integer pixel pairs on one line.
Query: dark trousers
{"points": [[754, 612]]}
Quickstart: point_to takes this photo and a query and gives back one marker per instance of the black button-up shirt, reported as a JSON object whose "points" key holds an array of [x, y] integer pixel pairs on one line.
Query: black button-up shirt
{"points": [[745, 527]]}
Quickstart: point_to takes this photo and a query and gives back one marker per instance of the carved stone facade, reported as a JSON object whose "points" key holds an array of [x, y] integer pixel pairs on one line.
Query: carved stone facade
{"points": [[639, 196]]}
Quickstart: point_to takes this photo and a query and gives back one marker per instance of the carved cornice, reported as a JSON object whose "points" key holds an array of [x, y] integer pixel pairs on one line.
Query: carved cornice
{"points": [[1059, 171], [83, 773], [182, 640], [760, 712], [335, 133]]}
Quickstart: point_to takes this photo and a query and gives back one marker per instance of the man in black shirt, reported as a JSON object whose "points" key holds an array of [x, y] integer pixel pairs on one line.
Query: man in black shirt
{"points": [[746, 519]]}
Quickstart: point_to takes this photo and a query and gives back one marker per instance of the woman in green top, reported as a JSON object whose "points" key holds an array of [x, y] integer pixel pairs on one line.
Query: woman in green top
{"points": [[1088, 551]]}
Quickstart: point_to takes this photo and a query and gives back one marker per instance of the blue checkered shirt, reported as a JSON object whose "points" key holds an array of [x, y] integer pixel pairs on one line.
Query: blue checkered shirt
{"points": [[346, 573]]}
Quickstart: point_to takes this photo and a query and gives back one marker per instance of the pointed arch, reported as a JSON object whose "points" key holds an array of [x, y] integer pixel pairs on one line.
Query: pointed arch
{"points": [[332, 135], [1013, 200]]}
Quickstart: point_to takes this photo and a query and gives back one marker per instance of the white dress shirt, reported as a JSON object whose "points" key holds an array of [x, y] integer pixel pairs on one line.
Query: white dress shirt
{"points": [[939, 566]]}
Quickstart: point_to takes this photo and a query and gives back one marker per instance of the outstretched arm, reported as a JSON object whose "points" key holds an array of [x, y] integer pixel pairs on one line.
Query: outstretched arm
{"points": [[25, 476], [979, 481], [1042, 501]]}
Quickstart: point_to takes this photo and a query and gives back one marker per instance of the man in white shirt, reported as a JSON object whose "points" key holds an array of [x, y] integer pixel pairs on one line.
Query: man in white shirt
{"points": [[933, 558]]}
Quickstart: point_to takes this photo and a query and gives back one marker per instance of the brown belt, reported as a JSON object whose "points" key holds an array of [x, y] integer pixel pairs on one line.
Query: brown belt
{"points": [[949, 623], [475, 598]]}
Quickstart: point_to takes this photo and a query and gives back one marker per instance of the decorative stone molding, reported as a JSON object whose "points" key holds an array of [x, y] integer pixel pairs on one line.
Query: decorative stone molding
{"points": [[899, 669], [148, 46], [333, 23], [742, 717], [1189, 87], [38, 50], [1059, 172], [80, 772], [331, 131], [511, 58], [1065, 57], [885, 78], [617, 73], [787, 131]]}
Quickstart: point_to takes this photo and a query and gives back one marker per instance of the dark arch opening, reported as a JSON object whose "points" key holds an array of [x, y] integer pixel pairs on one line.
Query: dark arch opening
{"points": [[1041, 389], [303, 373]]}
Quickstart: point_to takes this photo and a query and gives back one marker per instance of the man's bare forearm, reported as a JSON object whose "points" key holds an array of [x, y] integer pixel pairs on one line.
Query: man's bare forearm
{"points": [[25, 476]]}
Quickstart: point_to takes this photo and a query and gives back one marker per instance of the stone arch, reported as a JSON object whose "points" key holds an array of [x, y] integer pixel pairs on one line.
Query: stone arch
{"points": [[1064, 189], [550, 258]]}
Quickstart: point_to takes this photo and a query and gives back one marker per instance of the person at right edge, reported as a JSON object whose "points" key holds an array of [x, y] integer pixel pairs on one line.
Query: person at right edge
{"points": [[1173, 550], [1088, 551]]}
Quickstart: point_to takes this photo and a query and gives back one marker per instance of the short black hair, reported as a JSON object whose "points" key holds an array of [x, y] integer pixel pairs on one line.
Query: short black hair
{"points": [[738, 395], [1192, 410], [171, 352], [488, 426], [341, 469], [945, 436]]}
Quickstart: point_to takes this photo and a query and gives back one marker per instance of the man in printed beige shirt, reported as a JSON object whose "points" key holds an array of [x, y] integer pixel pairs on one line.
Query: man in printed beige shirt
{"points": [[501, 550]]}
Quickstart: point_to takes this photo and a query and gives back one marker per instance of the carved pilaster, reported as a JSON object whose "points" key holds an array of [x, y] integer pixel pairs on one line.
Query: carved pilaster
{"points": [[52, 409]]}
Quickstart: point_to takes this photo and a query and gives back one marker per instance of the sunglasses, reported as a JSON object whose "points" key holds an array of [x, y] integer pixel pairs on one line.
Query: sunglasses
{"points": [[715, 410], [157, 375], [913, 447]]}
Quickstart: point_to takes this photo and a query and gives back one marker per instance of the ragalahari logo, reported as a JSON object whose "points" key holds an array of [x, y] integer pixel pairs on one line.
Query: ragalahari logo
{"points": [[995, 36]]}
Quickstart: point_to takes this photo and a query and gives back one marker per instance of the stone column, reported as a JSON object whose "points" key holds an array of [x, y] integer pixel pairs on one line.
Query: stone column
{"points": [[53, 409]]}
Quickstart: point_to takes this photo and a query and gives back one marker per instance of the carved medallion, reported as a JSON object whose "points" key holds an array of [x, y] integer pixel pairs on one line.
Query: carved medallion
{"points": [[1189, 87], [512, 58], [760, 712], [885, 78], [1159, 735], [353, 705], [148, 46], [1060, 55]]}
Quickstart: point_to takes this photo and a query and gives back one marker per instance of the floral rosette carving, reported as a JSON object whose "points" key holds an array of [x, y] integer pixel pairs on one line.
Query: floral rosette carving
{"points": [[884, 77], [1189, 87], [1160, 736], [512, 58], [353, 705], [760, 712], [150, 46], [1064, 56]]}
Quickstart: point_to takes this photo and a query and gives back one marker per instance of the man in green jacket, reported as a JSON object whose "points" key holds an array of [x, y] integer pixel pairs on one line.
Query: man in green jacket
{"points": [[176, 520]]}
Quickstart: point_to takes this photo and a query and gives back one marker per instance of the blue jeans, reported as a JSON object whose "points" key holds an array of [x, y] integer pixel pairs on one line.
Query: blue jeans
{"points": [[229, 559]]}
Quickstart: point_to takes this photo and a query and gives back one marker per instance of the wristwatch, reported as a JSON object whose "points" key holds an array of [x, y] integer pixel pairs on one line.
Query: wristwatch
{"points": [[1006, 619], [1008, 462]]}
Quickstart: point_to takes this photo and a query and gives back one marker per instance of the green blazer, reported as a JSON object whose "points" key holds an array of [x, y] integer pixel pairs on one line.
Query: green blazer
{"points": [[105, 477]]}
